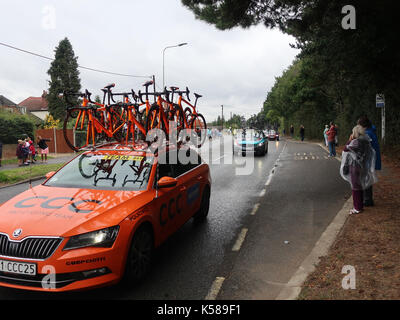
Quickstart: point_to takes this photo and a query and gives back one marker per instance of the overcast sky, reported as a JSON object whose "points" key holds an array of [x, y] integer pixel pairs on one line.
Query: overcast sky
{"points": [[234, 68]]}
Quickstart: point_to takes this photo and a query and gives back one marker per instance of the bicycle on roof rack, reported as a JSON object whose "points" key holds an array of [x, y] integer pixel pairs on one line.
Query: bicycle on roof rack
{"points": [[191, 118], [130, 120]]}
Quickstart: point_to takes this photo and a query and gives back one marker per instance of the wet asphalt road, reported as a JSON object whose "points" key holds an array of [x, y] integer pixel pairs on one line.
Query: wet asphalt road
{"points": [[186, 266]]}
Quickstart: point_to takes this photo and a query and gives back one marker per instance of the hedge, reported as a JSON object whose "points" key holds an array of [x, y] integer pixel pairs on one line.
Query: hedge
{"points": [[14, 127]]}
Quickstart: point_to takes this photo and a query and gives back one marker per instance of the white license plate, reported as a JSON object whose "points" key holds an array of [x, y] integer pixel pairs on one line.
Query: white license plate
{"points": [[18, 267]]}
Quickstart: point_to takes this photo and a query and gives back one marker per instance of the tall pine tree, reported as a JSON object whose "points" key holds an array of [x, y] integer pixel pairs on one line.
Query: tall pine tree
{"points": [[64, 75]]}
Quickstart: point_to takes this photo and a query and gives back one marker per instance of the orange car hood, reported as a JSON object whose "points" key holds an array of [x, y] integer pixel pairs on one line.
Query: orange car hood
{"points": [[50, 211]]}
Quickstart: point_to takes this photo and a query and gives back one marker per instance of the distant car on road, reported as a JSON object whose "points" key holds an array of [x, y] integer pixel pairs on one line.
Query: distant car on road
{"points": [[273, 135], [250, 141]]}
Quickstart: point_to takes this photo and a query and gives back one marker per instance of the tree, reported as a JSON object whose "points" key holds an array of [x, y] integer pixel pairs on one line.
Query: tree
{"points": [[64, 76], [340, 70]]}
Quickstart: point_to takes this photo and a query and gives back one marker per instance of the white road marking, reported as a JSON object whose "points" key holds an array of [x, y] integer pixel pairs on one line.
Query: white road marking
{"points": [[262, 193], [240, 239], [255, 208], [215, 288], [214, 160]]}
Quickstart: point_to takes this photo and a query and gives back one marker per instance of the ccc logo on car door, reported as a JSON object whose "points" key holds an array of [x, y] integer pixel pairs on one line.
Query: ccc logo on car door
{"points": [[170, 209]]}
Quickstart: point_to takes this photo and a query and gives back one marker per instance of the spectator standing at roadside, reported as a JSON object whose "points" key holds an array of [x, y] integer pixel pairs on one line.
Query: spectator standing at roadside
{"points": [[32, 150], [44, 149], [20, 152], [325, 135], [291, 130], [358, 166], [302, 132], [28, 147], [331, 133], [370, 130]]}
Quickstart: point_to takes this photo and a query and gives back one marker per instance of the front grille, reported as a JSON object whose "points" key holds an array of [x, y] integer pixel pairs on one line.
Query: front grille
{"points": [[29, 248]]}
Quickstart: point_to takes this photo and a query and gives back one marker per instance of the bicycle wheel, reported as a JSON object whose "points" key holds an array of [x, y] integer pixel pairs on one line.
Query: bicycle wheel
{"points": [[175, 114], [153, 118], [116, 126], [188, 114], [153, 122], [87, 166], [199, 127], [78, 119]]}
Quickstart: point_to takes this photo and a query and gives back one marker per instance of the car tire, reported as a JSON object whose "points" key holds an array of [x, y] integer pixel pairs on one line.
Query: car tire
{"points": [[139, 256], [202, 214]]}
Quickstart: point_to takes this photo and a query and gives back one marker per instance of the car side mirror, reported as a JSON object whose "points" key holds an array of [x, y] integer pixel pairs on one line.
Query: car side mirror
{"points": [[167, 182], [50, 174]]}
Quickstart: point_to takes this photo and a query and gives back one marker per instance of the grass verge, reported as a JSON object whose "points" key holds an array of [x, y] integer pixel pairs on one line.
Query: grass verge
{"points": [[23, 173]]}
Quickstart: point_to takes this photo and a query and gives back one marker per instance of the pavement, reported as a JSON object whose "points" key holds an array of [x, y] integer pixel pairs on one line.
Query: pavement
{"points": [[55, 158]]}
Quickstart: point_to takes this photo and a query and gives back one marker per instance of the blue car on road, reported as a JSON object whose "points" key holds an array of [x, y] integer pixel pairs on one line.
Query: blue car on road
{"points": [[250, 141]]}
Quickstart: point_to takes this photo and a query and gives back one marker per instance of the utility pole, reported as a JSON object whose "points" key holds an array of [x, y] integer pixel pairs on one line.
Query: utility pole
{"points": [[222, 119]]}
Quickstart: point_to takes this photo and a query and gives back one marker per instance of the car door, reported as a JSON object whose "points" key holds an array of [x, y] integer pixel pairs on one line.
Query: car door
{"points": [[190, 182]]}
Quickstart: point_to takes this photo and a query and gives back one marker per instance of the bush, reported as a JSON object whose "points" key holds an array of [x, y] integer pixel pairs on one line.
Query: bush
{"points": [[14, 127]]}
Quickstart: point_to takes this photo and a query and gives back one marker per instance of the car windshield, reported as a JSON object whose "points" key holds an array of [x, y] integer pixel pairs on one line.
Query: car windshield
{"points": [[104, 172]]}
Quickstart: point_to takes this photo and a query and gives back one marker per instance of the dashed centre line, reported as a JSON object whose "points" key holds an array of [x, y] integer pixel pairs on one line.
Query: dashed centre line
{"points": [[215, 288], [240, 239], [255, 209]]}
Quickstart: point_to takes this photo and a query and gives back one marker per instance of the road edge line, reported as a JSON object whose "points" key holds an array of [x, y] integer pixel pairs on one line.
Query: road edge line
{"points": [[293, 288], [215, 288], [22, 182]]}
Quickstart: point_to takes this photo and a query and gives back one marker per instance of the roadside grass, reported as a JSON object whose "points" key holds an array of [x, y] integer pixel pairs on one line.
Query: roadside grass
{"points": [[15, 161], [23, 173]]}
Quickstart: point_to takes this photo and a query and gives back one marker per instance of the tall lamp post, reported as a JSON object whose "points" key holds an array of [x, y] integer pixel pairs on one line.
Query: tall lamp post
{"points": [[178, 45]]}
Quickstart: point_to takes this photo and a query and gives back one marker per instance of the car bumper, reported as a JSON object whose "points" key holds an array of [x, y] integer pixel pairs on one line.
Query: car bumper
{"points": [[248, 148], [82, 271], [71, 270]]}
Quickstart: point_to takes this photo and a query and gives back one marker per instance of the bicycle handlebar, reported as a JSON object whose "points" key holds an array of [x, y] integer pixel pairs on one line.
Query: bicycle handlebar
{"points": [[155, 94]]}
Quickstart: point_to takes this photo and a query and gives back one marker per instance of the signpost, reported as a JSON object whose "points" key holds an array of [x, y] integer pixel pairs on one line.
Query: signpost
{"points": [[380, 103]]}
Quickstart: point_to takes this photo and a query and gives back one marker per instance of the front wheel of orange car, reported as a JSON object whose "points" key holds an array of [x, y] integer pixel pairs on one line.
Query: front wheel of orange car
{"points": [[202, 214], [139, 256]]}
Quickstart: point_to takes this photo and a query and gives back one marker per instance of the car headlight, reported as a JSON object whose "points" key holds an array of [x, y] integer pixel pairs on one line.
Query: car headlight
{"points": [[100, 238], [260, 144]]}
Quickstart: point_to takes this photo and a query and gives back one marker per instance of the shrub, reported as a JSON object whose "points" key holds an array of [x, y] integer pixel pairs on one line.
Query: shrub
{"points": [[14, 126]]}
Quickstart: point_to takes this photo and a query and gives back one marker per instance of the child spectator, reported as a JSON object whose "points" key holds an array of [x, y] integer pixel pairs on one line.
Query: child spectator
{"points": [[44, 149], [32, 150]]}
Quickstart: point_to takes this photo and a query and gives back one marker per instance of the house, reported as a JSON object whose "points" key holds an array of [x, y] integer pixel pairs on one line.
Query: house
{"points": [[8, 105], [38, 106]]}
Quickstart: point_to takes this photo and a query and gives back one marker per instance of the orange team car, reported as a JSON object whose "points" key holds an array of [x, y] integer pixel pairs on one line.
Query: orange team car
{"points": [[97, 220]]}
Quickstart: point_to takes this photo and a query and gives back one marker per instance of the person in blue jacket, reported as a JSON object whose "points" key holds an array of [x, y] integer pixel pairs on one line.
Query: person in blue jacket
{"points": [[370, 130]]}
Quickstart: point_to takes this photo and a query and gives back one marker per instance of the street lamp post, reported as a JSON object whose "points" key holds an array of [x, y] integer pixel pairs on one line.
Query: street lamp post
{"points": [[178, 45]]}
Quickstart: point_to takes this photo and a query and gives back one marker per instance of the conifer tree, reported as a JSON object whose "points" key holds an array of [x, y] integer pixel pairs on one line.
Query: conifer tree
{"points": [[64, 76]]}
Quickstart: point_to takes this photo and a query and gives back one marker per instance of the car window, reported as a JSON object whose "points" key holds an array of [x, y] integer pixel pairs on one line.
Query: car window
{"points": [[172, 165]]}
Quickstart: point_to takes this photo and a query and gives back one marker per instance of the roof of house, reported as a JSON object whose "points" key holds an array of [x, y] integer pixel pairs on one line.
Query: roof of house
{"points": [[35, 103], [6, 102]]}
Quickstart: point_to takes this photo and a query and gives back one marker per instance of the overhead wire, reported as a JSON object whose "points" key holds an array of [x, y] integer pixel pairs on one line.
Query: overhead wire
{"points": [[79, 66]]}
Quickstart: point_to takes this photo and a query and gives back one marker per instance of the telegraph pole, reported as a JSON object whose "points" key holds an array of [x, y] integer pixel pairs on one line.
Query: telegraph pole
{"points": [[222, 119]]}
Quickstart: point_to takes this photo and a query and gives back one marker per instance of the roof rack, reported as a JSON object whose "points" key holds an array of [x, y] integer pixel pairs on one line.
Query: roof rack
{"points": [[133, 146]]}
